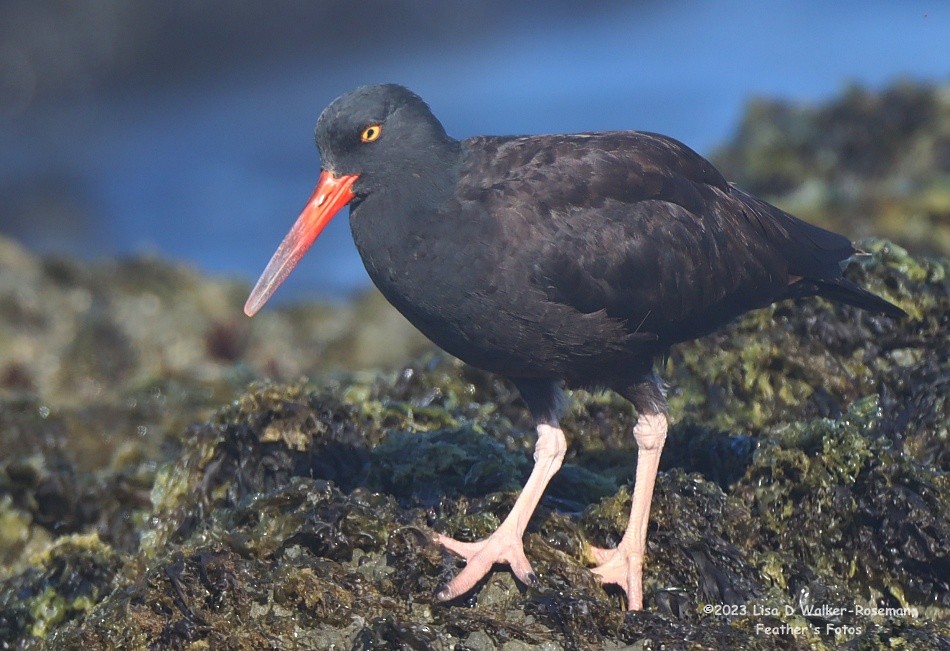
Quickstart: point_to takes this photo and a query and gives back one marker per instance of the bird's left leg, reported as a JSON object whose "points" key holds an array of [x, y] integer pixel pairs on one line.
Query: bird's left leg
{"points": [[505, 544], [624, 565]]}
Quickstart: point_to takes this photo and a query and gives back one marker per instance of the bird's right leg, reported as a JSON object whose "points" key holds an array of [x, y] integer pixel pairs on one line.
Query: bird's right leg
{"points": [[505, 544]]}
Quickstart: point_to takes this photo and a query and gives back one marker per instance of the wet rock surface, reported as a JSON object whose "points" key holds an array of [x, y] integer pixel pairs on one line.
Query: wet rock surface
{"points": [[157, 492]]}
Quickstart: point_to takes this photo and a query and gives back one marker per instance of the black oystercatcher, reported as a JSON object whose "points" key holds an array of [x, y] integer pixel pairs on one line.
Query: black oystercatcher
{"points": [[565, 259]]}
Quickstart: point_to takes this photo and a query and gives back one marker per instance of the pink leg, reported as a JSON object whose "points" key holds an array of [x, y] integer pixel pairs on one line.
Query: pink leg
{"points": [[504, 545], [624, 565]]}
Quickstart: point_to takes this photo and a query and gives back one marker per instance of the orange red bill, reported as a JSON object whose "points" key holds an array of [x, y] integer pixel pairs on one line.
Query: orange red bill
{"points": [[331, 194]]}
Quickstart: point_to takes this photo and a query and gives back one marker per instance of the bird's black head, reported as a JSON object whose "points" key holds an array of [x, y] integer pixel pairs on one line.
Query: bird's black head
{"points": [[373, 139], [380, 133]]}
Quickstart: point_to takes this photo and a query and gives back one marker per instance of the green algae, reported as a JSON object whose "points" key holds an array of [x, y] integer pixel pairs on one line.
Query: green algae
{"points": [[63, 583], [307, 511], [295, 508], [445, 463]]}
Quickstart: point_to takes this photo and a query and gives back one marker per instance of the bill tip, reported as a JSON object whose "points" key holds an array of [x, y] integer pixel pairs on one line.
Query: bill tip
{"points": [[250, 308]]}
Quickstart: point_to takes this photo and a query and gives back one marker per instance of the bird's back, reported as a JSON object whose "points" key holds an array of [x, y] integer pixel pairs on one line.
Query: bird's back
{"points": [[637, 229]]}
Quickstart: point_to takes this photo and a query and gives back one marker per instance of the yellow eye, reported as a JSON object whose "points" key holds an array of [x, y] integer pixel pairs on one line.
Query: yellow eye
{"points": [[371, 133]]}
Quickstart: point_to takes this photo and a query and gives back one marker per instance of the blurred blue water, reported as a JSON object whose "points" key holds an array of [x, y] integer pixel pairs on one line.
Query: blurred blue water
{"points": [[214, 172]]}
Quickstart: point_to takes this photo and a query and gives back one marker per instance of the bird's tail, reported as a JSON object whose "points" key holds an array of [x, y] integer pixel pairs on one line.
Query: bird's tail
{"points": [[845, 291]]}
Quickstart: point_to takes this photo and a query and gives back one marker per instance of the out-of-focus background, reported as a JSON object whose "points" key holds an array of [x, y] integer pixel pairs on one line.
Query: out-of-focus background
{"points": [[184, 129]]}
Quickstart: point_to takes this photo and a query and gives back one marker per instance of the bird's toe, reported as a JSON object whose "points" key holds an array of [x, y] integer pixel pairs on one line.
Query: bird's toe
{"points": [[625, 570], [461, 549], [501, 547]]}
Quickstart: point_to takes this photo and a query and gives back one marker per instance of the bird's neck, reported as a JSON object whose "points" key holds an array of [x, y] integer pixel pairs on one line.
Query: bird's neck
{"points": [[394, 228], [409, 199]]}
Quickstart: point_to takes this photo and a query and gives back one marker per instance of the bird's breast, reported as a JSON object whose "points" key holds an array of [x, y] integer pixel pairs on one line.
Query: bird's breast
{"points": [[441, 271]]}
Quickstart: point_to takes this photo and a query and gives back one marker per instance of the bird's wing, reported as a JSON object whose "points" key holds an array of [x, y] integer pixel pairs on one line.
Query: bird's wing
{"points": [[643, 228]]}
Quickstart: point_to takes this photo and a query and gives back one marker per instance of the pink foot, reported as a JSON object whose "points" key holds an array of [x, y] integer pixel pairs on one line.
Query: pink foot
{"points": [[621, 568], [500, 547], [505, 546]]}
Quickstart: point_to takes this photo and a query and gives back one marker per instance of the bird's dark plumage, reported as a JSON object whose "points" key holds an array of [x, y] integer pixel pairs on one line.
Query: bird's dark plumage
{"points": [[592, 253], [576, 258]]}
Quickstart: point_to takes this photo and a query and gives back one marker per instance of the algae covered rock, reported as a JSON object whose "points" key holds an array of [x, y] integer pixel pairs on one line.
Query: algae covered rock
{"points": [[302, 515]]}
